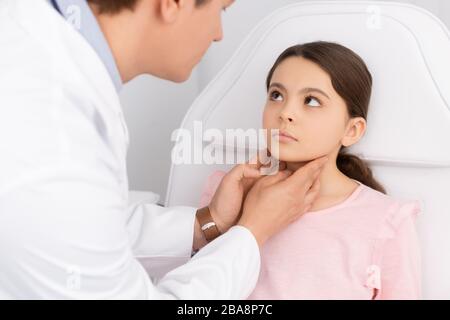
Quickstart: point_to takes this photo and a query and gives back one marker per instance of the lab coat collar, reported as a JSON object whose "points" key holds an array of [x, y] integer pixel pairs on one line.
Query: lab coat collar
{"points": [[78, 14], [74, 55]]}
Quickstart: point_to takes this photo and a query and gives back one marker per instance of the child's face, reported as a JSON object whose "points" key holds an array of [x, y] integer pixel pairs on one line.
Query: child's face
{"points": [[303, 103]]}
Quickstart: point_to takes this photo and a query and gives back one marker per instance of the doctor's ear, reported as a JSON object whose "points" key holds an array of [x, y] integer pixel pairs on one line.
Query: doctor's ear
{"points": [[355, 131]]}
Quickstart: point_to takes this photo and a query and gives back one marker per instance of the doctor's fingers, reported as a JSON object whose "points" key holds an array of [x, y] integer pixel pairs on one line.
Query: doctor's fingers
{"points": [[279, 177], [311, 195], [250, 180], [261, 159], [243, 171], [256, 161], [252, 168], [302, 179]]}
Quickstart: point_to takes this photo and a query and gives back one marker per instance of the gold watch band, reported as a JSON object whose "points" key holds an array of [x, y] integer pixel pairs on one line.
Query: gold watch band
{"points": [[207, 224]]}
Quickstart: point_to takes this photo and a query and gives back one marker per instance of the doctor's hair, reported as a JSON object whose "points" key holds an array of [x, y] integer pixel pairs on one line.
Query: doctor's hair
{"points": [[115, 6], [352, 80]]}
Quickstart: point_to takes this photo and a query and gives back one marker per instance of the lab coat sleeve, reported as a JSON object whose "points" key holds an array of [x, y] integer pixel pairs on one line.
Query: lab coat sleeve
{"points": [[161, 237], [238, 248], [63, 236]]}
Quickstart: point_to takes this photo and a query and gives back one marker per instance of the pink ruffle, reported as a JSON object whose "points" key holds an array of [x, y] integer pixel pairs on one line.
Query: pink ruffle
{"points": [[373, 277], [397, 214]]}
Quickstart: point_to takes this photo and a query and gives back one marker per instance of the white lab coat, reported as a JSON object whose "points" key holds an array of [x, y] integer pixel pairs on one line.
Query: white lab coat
{"points": [[66, 230]]}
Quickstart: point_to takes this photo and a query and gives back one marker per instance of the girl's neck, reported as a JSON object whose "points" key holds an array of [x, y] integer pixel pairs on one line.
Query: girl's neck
{"points": [[333, 183]]}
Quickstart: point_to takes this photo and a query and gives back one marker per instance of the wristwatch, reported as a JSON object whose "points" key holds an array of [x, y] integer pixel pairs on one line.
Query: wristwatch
{"points": [[207, 224]]}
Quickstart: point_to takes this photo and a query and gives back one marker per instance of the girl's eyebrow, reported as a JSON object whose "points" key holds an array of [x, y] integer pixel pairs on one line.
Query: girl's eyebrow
{"points": [[302, 91]]}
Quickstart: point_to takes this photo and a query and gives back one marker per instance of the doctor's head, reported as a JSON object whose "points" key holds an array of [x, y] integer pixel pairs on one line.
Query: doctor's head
{"points": [[164, 38], [318, 96]]}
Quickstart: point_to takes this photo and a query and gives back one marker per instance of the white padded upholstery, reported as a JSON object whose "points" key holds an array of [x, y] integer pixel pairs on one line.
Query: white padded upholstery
{"points": [[408, 139]]}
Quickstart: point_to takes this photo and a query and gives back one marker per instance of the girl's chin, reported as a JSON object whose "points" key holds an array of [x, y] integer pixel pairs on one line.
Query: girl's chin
{"points": [[289, 156]]}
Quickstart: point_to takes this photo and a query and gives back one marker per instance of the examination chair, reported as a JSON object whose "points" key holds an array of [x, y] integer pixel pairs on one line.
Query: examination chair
{"points": [[407, 144]]}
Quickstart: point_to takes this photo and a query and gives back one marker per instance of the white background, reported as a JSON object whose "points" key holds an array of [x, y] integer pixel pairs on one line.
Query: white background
{"points": [[154, 108]]}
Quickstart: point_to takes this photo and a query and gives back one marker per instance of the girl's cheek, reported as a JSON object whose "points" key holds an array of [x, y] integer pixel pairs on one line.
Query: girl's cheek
{"points": [[266, 119], [269, 117]]}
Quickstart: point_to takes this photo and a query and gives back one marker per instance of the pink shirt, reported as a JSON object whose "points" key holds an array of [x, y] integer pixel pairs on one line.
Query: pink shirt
{"points": [[365, 247]]}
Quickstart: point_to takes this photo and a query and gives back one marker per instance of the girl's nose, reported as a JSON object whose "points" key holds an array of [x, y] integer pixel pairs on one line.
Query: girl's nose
{"points": [[285, 115], [288, 119]]}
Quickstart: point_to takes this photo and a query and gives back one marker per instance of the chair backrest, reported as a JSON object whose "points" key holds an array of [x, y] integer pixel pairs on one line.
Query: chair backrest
{"points": [[407, 143]]}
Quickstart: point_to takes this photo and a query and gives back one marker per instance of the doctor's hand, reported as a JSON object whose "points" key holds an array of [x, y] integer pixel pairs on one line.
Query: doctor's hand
{"points": [[226, 204], [276, 201]]}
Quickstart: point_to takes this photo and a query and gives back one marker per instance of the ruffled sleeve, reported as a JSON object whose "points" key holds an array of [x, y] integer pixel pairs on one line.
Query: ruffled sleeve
{"points": [[395, 269], [211, 185]]}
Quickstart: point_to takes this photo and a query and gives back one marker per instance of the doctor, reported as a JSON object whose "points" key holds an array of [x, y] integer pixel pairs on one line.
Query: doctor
{"points": [[66, 229]]}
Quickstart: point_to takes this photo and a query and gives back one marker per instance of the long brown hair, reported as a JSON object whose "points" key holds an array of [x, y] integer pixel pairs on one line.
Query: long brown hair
{"points": [[352, 80]]}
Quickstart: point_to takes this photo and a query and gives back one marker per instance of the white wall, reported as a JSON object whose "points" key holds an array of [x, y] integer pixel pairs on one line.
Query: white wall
{"points": [[154, 108]]}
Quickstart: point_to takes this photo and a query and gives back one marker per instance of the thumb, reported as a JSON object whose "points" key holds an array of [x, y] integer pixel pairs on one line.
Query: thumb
{"points": [[280, 176], [242, 171], [250, 172]]}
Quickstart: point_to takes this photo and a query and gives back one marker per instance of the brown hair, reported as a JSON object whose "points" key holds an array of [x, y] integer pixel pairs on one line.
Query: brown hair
{"points": [[115, 6], [353, 82]]}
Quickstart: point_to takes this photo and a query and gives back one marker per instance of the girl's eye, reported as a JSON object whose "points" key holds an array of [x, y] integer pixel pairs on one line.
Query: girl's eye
{"points": [[312, 102], [276, 96]]}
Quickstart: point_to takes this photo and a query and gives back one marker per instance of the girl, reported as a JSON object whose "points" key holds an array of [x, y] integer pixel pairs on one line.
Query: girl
{"points": [[355, 242]]}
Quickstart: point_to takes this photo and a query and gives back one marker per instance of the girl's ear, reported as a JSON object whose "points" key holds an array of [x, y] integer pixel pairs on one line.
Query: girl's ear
{"points": [[169, 10], [354, 132]]}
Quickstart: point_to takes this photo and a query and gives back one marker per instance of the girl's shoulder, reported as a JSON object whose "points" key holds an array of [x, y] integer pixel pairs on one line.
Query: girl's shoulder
{"points": [[387, 212]]}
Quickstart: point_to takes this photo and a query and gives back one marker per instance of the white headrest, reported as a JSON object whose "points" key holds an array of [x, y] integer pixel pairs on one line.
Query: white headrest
{"points": [[411, 101]]}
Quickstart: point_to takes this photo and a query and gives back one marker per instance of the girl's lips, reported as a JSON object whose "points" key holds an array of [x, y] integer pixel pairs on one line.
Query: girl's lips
{"points": [[284, 137]]}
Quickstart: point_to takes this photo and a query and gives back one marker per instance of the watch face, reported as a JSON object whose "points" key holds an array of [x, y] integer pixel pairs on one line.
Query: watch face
{"points": [[208, 225]]}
